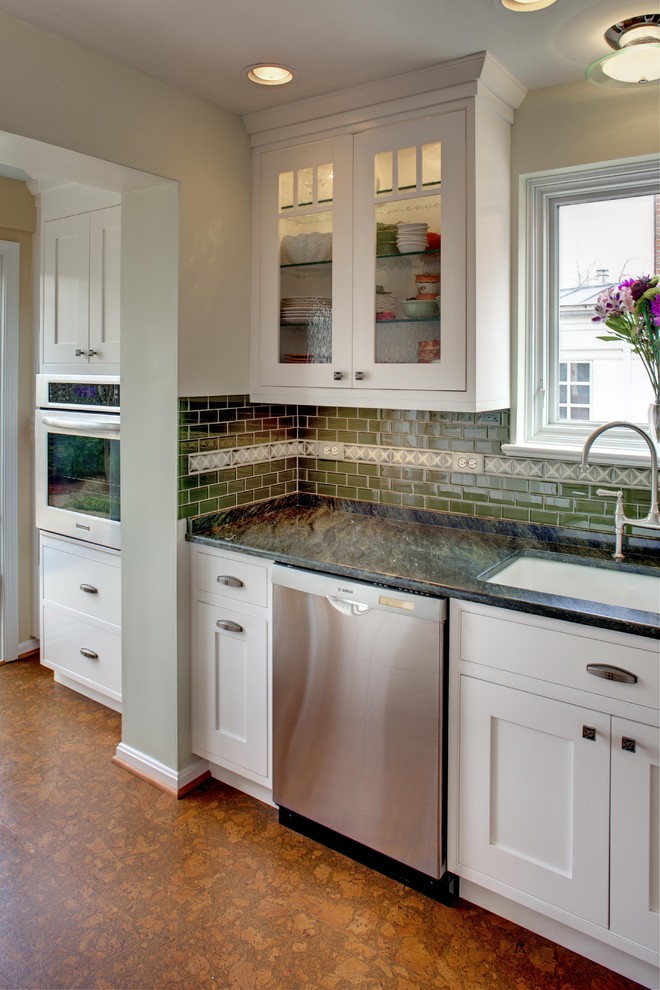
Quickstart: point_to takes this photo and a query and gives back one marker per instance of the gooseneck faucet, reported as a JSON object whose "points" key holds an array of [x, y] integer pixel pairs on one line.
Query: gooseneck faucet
{"points": [[652, 520]]}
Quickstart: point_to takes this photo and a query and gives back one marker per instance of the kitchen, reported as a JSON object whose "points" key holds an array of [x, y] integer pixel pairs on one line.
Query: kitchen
{"points": [[206, 150]]}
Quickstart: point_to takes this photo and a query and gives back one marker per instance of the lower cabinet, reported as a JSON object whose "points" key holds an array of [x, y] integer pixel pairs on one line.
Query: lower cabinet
{"points": [[554, 771], [80, 605], [231, 663]]}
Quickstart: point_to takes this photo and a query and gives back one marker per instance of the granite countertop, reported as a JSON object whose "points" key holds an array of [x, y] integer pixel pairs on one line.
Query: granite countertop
{"points": [[427, 552]]}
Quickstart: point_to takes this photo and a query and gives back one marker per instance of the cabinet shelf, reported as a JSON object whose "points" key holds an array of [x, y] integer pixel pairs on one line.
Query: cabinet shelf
{"points": [[306, 264]]}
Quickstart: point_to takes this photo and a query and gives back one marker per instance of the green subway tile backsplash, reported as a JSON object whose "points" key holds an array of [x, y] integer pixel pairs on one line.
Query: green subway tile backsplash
{"points": [[232, 423]]}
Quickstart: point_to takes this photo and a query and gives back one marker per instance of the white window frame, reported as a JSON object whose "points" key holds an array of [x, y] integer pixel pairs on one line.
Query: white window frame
{"points": [[536, 350]]}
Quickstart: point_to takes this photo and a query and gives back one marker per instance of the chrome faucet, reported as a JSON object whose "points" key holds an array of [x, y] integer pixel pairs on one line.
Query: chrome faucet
{"points": [[652, 520]]}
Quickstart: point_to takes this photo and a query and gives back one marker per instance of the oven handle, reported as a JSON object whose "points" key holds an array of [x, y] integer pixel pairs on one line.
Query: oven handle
{"points": [[83, 424]]}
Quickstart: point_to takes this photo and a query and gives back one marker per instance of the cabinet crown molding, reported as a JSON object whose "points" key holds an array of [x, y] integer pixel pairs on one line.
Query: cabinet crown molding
{"points": [[478, 74]]}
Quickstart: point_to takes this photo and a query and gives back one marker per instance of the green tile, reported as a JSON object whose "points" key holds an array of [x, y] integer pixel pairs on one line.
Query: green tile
{"points": [[515, 513], [189, 511]]}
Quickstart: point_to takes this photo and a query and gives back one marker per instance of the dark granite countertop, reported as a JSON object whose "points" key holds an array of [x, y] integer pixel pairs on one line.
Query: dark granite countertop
{"points": [[427, 552]]}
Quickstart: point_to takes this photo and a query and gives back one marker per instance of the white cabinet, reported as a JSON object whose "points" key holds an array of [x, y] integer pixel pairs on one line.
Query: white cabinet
{"points": [[80, 594], [81, 292], [553, 786], [231, 671], [407, 202]]}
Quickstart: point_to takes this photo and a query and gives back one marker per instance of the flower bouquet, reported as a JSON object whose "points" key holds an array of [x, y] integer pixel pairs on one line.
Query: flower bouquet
{"points": [[632, 312]]}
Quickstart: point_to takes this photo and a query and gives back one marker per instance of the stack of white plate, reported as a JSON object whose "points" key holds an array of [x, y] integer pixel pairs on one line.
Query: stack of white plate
{"points": [[411, 237], [304, 309]]}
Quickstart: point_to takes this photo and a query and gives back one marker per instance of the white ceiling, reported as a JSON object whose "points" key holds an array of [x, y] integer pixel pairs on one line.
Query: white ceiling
{"points": [[203, 45]]}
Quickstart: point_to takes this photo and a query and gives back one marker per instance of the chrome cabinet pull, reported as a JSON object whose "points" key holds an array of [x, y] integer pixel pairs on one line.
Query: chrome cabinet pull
{"points": [[337, 376], [79, 353], [231, 582], [90, 654], [229, 626], [89, 589], [92, 353], [628, 745], [588, 733], [610, 673], [359, 376]]}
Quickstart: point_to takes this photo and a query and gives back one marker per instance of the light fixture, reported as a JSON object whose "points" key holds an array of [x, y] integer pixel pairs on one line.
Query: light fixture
{"points": [[269, 74], [524, 5], [636, 56]]}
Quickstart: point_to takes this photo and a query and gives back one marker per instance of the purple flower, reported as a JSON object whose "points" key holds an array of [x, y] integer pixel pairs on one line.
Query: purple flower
{"points": [[655, 309], [637, 286], [612, 303]]}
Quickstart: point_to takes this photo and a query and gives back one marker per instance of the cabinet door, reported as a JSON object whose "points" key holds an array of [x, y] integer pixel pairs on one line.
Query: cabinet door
{"points": [[306, 265], [104, 265], [410, 254], [65, 325], [534, 798], [230, 688], [635, 854]]}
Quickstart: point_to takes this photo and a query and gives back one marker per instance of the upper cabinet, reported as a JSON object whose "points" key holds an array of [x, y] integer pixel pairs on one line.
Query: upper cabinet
{"points": [[382, 252], [80, 288]]}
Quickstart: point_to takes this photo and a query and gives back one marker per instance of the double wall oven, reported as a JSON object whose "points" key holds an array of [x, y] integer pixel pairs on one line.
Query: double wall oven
{"points": [[77, 457]]}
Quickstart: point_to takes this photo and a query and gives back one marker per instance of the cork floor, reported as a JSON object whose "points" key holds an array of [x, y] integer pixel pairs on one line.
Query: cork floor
{"points": [[107, 882]]}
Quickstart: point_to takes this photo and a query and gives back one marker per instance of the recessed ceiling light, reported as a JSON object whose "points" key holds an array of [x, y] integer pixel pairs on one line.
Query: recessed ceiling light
{"points": [[269, 75], [636, 56], [524, 5]]}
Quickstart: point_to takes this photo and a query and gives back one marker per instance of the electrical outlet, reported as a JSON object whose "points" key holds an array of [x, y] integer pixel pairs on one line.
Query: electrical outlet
{"points": [[332, 451], [466, 462]]}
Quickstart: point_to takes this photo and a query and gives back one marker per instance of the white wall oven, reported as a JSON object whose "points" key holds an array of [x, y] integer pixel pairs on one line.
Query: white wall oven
{"points": [[77, 457]]}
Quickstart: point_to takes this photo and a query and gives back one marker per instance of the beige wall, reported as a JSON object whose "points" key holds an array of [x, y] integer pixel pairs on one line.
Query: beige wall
{"points": [[580, 123], [17, 223], [63, 95]]}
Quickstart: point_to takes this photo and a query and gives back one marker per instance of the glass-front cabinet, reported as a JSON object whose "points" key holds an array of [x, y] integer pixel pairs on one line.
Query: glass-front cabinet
{"points": [[409, 272], [382, 254], [306, 260]]}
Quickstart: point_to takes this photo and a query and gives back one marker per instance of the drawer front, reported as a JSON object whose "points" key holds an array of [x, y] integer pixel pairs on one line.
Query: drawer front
{"points": [[82, 582], [232, 576], [64, 637], [560, 652]]}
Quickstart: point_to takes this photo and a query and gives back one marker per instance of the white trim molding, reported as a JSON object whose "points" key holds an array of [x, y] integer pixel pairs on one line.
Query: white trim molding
{"points": [[9, 309], [175, 782]]}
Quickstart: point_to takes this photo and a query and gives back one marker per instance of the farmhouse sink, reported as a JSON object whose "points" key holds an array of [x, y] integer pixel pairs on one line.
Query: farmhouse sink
{"points": [[570, 578]]}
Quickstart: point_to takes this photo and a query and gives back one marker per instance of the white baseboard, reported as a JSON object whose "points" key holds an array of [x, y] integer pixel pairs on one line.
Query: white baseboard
{"points": [[636, 969], [29, 646], [251, 787], [175, 782]]}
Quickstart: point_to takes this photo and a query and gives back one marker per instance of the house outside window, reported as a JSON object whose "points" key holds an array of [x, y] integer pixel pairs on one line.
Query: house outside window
{"points": [[586, 229], [575, 390]]}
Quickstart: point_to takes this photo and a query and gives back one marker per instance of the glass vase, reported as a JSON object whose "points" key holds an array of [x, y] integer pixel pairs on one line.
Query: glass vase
{"points": [[654, 419]]}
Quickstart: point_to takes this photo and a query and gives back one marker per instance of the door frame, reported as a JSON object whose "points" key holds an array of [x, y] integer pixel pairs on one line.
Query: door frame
{"points": [[9, 310]]}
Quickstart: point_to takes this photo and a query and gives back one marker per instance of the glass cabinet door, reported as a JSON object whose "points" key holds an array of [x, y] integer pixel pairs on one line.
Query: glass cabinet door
{"points": [[409, 289], [306, 258]]}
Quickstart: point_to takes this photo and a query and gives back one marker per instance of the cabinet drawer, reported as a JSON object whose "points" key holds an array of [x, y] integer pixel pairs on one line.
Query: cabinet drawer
{"points": [[82, 580], [233, 576], [559, 652], [63, 639]]}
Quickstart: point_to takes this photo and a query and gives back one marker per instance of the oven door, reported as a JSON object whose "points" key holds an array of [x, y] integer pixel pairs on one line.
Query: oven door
{"points": [[77, 475]]}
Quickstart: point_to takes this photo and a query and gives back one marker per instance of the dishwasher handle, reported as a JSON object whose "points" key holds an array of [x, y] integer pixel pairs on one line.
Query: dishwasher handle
{"points": [[347, 608]]}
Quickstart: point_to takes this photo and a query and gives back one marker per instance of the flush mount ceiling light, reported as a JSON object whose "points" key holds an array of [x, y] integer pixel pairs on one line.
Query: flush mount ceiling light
{"points": [[636, 55], [524, 5], [269, 74]]}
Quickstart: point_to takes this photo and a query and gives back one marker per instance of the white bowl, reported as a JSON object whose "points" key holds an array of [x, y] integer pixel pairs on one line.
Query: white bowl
{"points": [[304, 249]]}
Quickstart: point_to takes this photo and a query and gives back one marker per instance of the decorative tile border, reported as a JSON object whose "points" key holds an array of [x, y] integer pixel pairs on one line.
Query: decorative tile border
{"points": [[563, 471], [358, 453], [550, 470]]}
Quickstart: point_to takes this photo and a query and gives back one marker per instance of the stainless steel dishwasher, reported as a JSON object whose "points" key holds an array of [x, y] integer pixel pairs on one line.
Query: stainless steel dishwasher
{"points": [[358, 722]]}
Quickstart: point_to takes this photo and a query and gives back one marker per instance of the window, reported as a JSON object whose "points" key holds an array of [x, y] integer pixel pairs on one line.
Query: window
{"points": [[586, 229], [574, 390]]}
